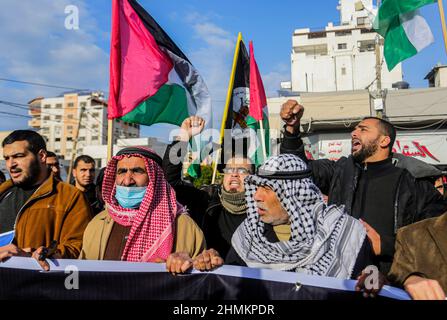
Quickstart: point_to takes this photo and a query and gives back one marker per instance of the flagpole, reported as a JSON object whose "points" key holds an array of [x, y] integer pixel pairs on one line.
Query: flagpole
{"points": [[227, 104], [444, 28], [109, 139], [261, 123]]}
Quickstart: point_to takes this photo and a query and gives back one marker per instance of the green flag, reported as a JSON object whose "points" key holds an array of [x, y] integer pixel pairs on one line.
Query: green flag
{"points": [[405, 31]]}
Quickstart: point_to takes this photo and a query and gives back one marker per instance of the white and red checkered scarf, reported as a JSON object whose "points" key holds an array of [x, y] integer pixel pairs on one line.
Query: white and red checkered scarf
{"points": [[152, 224]]}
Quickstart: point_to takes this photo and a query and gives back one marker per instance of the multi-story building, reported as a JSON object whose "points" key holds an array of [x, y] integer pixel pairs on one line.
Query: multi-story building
{"points": [[76, 115], [341, 57]]}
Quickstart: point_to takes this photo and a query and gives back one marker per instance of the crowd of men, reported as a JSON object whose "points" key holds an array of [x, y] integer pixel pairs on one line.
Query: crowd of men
{"points": [[320, 217]]}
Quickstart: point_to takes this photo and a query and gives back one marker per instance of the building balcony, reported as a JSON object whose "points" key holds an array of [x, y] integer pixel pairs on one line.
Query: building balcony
{"points": [[34, 123]]}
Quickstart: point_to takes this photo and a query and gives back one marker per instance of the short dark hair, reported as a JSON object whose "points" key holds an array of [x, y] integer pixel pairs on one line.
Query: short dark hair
{"points": [[35, 140], [85, 158], [386, 129], [51, 154]]}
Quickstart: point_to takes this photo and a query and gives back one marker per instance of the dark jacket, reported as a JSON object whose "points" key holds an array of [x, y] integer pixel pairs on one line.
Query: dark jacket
{"points": [[414, 199], [205, 207]]}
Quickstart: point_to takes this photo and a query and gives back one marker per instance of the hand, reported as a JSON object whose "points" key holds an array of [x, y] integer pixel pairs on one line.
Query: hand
{"points": [[178, 262], [373, 237], [291, 113], [208, 260], [191, 127], [44, 264], [12, 250], [420, 288], [371, 292]]}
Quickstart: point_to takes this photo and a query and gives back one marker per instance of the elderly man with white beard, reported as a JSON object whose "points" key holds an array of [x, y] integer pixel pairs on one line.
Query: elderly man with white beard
{"points": [[290, 228]]}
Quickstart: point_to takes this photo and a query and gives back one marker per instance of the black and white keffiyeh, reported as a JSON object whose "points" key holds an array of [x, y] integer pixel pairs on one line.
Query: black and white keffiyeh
{"points": [[324, 240]]}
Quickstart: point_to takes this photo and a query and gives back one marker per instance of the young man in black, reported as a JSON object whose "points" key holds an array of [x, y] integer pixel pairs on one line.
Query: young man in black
{"points": [[383, 196]]}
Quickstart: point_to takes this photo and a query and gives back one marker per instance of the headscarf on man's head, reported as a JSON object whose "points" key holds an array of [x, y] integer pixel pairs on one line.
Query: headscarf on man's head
{"points": [[152, 224], [324, 240]]}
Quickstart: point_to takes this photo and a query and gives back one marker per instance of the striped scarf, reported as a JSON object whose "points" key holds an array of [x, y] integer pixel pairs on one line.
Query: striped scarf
{"points": [[324, 240], [152, 224]]}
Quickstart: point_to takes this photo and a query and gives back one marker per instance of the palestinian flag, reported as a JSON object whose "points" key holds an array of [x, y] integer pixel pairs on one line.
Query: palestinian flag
{"points": [[240, 122], [151, 80], [258, 112], [405, 31], [234, 130]]}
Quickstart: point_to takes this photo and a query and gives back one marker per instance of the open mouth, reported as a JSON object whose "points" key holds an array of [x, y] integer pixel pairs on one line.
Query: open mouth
{"points": [[235, 184], [356, 145]]}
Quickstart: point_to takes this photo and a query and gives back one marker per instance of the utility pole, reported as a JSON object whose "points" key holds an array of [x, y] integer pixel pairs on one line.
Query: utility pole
{"points": [[378, 69], [75, 145]]}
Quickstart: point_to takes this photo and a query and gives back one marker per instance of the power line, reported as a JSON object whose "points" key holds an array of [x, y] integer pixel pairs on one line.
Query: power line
{"points": [[44, 85], [15, 114]]}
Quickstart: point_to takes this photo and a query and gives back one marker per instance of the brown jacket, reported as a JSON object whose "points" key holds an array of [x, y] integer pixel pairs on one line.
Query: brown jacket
{"points": [[56, 211], [188, 238], [421, 249]]}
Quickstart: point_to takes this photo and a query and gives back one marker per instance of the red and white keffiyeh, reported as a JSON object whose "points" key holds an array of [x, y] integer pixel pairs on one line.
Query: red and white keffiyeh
{"points": [[153, 223]]}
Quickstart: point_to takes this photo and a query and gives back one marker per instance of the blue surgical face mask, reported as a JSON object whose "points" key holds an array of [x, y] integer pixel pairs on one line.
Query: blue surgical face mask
{"points": [[130, 197]]}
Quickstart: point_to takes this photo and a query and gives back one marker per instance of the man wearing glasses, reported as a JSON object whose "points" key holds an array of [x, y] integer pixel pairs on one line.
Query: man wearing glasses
{"points": [[221, 212]]}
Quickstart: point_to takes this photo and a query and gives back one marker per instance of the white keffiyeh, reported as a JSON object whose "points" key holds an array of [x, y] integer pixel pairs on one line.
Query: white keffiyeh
{"points": [[324, 240]]}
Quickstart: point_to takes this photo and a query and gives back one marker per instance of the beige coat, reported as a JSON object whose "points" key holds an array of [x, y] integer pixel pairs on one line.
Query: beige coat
{"points": [[189, 238], [421, 249]]}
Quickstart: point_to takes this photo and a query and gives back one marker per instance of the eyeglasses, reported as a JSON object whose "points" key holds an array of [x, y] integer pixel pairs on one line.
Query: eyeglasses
{"points": [[237, 170]]}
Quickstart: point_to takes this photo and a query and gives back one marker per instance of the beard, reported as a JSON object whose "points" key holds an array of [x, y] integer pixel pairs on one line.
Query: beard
{"points": [[366, 151], [33, 175]]}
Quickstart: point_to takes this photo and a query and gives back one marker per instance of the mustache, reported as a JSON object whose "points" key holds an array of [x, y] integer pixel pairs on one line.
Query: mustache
{"points": [[261, 206], [16, 170]]}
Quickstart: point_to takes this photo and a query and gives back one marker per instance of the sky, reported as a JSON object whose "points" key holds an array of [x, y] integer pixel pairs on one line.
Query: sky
{"points": [[36, 46]]}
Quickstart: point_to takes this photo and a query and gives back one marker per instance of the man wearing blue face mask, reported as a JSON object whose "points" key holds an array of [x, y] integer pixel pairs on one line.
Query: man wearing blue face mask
{"points": [[142, 222]]}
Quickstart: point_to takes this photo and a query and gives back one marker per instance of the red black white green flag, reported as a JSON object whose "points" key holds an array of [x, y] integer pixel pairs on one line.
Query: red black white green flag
{"points": [[151, 79]]}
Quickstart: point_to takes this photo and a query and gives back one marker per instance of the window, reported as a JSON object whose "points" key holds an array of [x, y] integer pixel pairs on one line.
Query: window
{"points": [[81, 139], [47, 106], [95, 126], [94, 138], [70, 104], [95, 115], [342, 33], [342, 46], [69, 139], [83, 104], [343, 71], [69, 127], [58, 105], [70, 116], [46, 118], [362, 21], [57, 139], [58, 117]]}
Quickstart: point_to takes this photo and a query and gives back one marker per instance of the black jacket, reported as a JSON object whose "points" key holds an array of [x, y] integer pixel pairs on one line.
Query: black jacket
{"points": [[414, 199], [204, 206]]}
